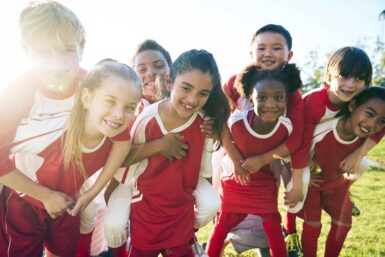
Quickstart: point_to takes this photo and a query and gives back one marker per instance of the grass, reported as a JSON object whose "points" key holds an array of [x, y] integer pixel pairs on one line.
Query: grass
{"points": [[367, 236]]}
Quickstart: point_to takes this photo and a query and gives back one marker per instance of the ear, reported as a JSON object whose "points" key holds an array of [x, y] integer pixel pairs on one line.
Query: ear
{"points": [[352, 105], [168, 82], [86, 98], [289, 56]]}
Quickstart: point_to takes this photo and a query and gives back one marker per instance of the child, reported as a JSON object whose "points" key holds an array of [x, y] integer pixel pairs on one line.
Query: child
{"points": [[162, 217], [104, 106], [348, 71], [265, 126], [333, 141], [151, 62], [270, 49]]}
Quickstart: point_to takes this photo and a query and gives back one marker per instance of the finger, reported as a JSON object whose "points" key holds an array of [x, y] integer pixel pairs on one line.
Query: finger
{"points": [[179, 136]]}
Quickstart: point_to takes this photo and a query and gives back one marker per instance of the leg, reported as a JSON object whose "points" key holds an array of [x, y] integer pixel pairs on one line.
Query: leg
{"points": [[223, 224], [117, 217], [272, 227], [336, 238], [207, 202]]}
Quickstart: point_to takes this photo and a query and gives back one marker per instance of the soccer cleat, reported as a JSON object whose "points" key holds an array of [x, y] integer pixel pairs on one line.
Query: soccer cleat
{"points": [[355, 210], [198, 250], [293, 245]]}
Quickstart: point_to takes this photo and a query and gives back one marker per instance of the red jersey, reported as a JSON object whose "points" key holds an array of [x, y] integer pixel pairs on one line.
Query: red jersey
{"points": [[260, 196], [318, 108], [24, 100], [162, 213], [295, 112], [329, 149]]}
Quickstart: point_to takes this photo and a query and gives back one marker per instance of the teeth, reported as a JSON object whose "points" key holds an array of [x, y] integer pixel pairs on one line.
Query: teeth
{"points": [[113, 125], [187, 106], [365, 130]]}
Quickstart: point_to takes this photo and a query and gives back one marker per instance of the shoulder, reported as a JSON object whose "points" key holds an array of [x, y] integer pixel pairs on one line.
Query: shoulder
{"points": [[237, 116]]}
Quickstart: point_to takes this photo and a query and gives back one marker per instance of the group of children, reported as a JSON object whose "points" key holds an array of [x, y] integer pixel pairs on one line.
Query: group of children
{"points": [[156, 134]]}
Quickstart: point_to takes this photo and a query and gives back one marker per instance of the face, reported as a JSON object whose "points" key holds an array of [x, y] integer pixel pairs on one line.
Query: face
{"points": [[148, 65], [111, 107], [344, 89], [269, 99], [56, 68], [368, 118], [190, 92], [269, 51]]}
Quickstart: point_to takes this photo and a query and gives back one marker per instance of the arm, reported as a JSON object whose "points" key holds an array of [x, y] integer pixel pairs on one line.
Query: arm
{"points": [[242, 176], [352, 163], [296, 194], [117, 155], [169, 145], [54, 202]]}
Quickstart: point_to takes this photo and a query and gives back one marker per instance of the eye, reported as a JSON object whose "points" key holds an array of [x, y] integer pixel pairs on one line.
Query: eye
{"points": [[277, 48], [261, 48], [130, 109], [261, 98], [279, 98], [204, 94], [109, 102], [369, 113]]}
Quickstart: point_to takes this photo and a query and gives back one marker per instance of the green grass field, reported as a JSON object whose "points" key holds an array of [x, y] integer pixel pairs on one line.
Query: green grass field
{"points": [[367, 236]]}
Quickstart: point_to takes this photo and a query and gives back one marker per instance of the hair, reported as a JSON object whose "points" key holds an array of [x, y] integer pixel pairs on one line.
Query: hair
{"points": [[349, 62], [274, 28], [150, 44], [76, 123], [49, 24], [367, 94], [217, 106], [288, 74]]}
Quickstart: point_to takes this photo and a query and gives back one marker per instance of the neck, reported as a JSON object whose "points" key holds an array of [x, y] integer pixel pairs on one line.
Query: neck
{"points": [[334, 99], [91, 137], [169, 116], [345, 130], [262, 127]]}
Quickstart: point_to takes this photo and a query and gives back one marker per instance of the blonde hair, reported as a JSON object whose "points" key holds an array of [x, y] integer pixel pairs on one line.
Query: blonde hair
{"points": [[50, 25], [76, 122]]}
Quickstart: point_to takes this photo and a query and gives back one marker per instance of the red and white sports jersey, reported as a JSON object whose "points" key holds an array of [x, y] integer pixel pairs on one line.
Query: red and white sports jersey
{"points": [[328, 149], [162, 213], [24, 102], [318, 108], [260, 196], [295, 112]]}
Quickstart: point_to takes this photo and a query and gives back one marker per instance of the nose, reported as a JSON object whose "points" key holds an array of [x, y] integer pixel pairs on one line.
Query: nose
{"points": [[268, 52], [118, 112], [269, 103], [192, 99]]}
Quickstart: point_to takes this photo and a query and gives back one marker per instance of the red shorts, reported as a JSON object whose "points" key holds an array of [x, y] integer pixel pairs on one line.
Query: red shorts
{"points": [[334, 200], [25, 229], [177, 251]]}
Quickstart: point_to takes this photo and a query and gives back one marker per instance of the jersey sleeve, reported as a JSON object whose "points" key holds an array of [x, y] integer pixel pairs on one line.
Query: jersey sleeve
{"points": [[300, 157], [295, 111], [15, 103], [231, 92]]}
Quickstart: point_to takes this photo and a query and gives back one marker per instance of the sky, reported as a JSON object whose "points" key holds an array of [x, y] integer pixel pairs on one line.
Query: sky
{"points": [[224, 27]]}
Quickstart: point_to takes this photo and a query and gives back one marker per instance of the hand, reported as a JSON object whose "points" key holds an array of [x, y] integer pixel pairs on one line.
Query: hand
{"points": [[293, 197], [352, 163], [57, 203], [316, 180], [253, 164], [173, 146], [241, 175], [81, 203], [207, 127]]}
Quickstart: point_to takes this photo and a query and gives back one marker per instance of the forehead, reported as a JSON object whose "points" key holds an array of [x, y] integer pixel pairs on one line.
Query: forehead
{"points": [[376, 104], [195, 78], [270, 38], [114, 85], [269, 85], [148, 56]]}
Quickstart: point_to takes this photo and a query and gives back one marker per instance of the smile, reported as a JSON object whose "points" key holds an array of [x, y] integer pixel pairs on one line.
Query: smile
{"points": [[112, 124]]}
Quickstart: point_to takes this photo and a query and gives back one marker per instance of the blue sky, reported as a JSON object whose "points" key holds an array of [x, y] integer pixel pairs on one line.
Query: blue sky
{"points": [[224, 27]]}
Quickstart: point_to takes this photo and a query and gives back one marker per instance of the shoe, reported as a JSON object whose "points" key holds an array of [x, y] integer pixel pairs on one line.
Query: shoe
{"points": [[198, 250], [293, 245], [355, 210]]}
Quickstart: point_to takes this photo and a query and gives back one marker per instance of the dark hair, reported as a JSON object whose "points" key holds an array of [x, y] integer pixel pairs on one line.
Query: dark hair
{"points": [[150, 44], [288, 74], [275, 29], [349, 62], [363, 97], [216, 106]]}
